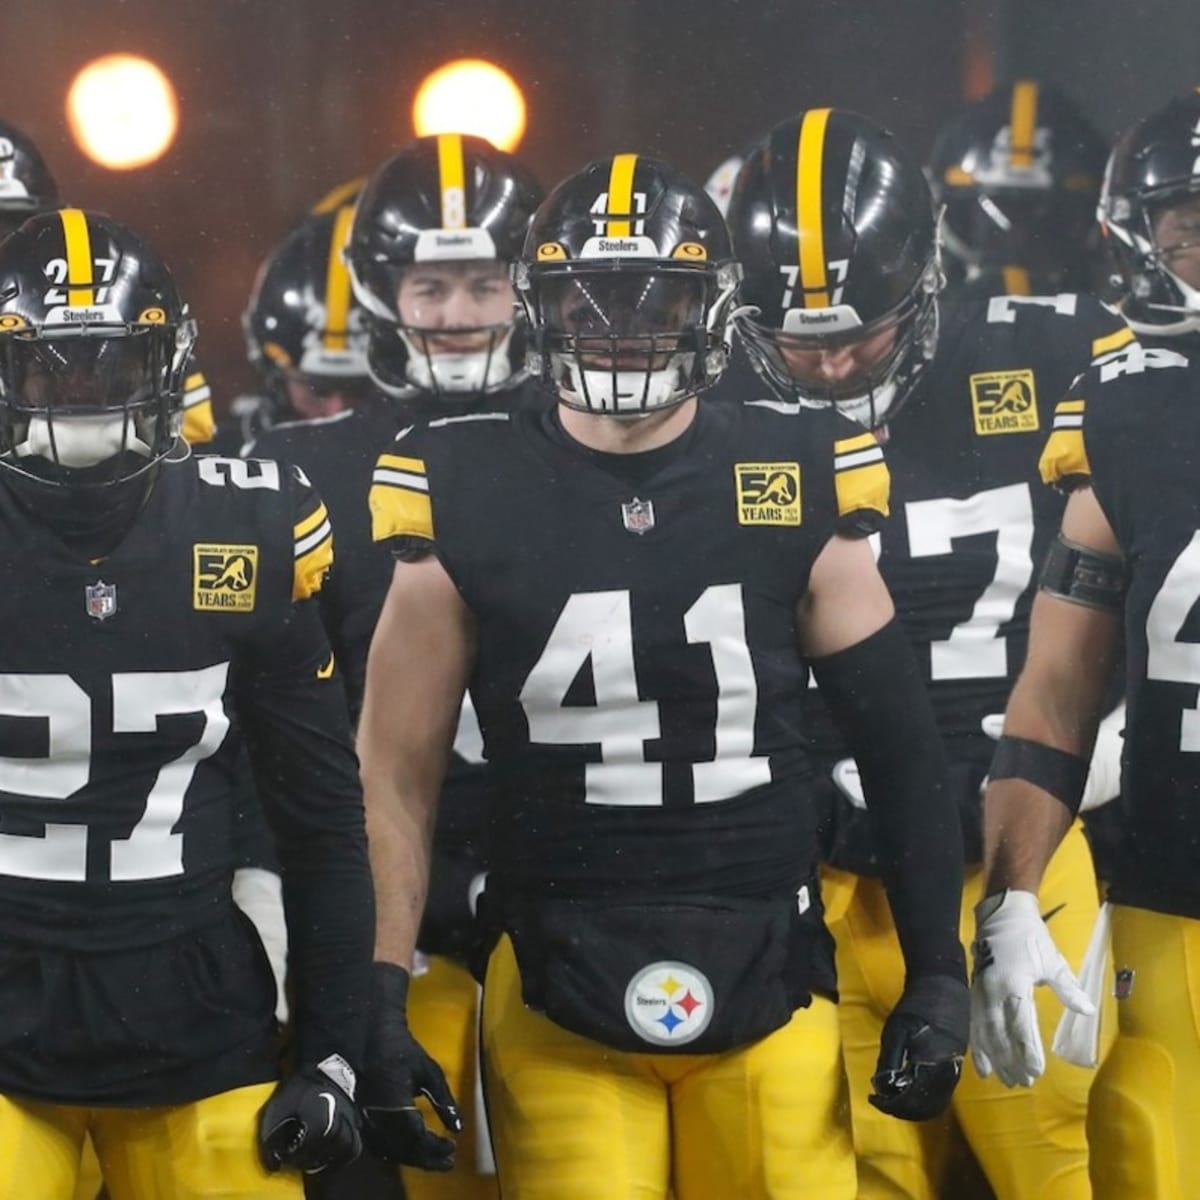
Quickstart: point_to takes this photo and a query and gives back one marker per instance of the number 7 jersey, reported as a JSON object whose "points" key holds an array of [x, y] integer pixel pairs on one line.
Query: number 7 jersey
{"points": [[638, 677], [1131, 429]]}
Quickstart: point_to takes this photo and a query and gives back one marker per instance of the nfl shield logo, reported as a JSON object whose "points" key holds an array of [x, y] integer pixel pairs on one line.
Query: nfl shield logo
{"points": [[101, 600], [638, 515]]}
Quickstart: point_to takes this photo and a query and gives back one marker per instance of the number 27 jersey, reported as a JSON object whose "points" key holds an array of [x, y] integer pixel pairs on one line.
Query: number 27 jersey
{"points": [[638, 678]]}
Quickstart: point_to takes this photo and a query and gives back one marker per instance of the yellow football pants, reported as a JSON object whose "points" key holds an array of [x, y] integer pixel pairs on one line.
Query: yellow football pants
{"points": [[572, 1118], [1147, 1093], [1030, 1142], [206, 1150], [443, 1016]]}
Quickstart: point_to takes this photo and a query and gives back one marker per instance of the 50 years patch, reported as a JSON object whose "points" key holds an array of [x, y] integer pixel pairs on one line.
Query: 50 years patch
{"points": [[768, 493], [224, 577], [1004, 402]]}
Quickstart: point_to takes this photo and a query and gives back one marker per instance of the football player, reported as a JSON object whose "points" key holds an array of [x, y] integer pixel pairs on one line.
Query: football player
{"points": [[26, 185], [1017, 174], [834, 225], [172, 592], [439, 334], [633, 580], [1124, 444]]}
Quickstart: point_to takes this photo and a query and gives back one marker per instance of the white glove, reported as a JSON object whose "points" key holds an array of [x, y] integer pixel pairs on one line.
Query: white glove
{"points": [[1014, 952], [259, 894], [848, 781]]}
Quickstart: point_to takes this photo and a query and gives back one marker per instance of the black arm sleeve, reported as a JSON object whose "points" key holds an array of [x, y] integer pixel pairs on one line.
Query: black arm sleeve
{"points": [[876, 696], [297, 731]]}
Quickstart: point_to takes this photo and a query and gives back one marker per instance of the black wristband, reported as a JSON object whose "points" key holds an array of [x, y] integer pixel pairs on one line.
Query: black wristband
{"points": [[389, 987], [1056, 771]]}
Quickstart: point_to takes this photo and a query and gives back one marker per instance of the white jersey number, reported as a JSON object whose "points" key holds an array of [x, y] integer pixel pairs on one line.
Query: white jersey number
{"points": [[974, 650], [1168, 659], [153, 850], [596, 629]]}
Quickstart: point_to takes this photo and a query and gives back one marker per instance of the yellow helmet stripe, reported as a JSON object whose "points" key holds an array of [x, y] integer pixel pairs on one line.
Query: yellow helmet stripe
{"points": [[620, 194], [337, 283], [80, 290], [452, 178], [1022, 123], [810, 230], [342, 194]]}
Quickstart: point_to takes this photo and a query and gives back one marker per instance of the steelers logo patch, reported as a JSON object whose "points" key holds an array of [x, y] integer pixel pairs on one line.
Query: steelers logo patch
{"points": [[669, 1003], [1004, 402], [224, 577]]}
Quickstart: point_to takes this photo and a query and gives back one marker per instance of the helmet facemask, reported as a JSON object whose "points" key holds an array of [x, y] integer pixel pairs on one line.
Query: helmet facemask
{"points": [[883, 359], [91, 406], [628, 340], [1148, 273]]}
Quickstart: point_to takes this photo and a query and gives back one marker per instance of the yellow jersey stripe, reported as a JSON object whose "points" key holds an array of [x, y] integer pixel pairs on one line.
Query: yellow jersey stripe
{"points": [[193, 381], [80, 290], [452, 178], [311, 569], [400, 512], [337, 283], [199, 423], [1022, 123], [810, 227], [861, 441], [620, 194], [1064, 455], [400, 463], [1070, 406], [1113, 341], [307, 524], [1016, 282], [866, 487]]}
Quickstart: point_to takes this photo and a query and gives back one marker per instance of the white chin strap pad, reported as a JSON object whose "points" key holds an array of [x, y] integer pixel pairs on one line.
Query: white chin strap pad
{"points": [[81, 441], [628, 393], [458, 372]]}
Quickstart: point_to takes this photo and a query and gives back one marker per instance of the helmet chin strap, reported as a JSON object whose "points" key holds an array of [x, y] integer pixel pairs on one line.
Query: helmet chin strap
{"points": [[458, 373], [81, 441], [626, 394]]}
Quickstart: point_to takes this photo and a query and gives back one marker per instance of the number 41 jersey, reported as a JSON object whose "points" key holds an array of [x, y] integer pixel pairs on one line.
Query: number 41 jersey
{"points": [[638, 678], [1131, 428], [971, 518]]}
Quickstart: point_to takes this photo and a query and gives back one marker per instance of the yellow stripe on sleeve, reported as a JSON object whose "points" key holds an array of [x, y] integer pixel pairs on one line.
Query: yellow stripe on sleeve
{"points": [[199, 423], [397, 462], [861, 477], [80, 290], [620, 194], [810, 227], [306, 525], [311, 569], [1065, 454], [1112, 341], [1022, 124], [399, 512], [337, 283]]}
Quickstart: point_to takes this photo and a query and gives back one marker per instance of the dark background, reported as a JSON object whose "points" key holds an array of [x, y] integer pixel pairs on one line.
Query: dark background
{"points": [[282, 99]]}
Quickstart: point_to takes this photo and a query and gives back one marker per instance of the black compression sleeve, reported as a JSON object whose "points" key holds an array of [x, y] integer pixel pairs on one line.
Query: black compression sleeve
{"points": [[876, 696], [297, 731]]}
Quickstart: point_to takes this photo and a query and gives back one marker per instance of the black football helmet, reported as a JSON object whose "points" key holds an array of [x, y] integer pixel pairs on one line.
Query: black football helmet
{"points": [[94, 345], [302, 316], [450, 199], [1153, 167], [26, 185], [1017, 174], [835, 230], [627, 279]]}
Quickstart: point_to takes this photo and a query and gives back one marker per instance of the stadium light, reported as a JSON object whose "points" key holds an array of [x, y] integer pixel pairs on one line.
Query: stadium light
{"points": [[122, 111], [473, 96]]}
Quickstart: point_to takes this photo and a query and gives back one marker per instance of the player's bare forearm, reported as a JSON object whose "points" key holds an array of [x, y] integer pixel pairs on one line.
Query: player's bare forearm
{"points": [[416, 675]]}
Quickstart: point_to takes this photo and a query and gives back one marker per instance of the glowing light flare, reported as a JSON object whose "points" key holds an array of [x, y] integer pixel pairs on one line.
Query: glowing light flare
{"points": [[471, 95], [122, 111]]}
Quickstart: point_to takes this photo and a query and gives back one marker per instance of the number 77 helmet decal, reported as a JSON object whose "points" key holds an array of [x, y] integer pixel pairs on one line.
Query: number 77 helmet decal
{"points": [[835, 230], [94, 344]]}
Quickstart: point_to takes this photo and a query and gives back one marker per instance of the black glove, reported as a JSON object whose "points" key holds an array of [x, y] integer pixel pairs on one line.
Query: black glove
{"points": [[310, 1121], [398, 1071], [922, 1047]]}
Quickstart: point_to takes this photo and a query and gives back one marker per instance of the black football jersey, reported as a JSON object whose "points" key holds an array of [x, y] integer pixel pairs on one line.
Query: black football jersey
{"points": [[1131, 427], [637, 678], [117, 684], [971, 518]]}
